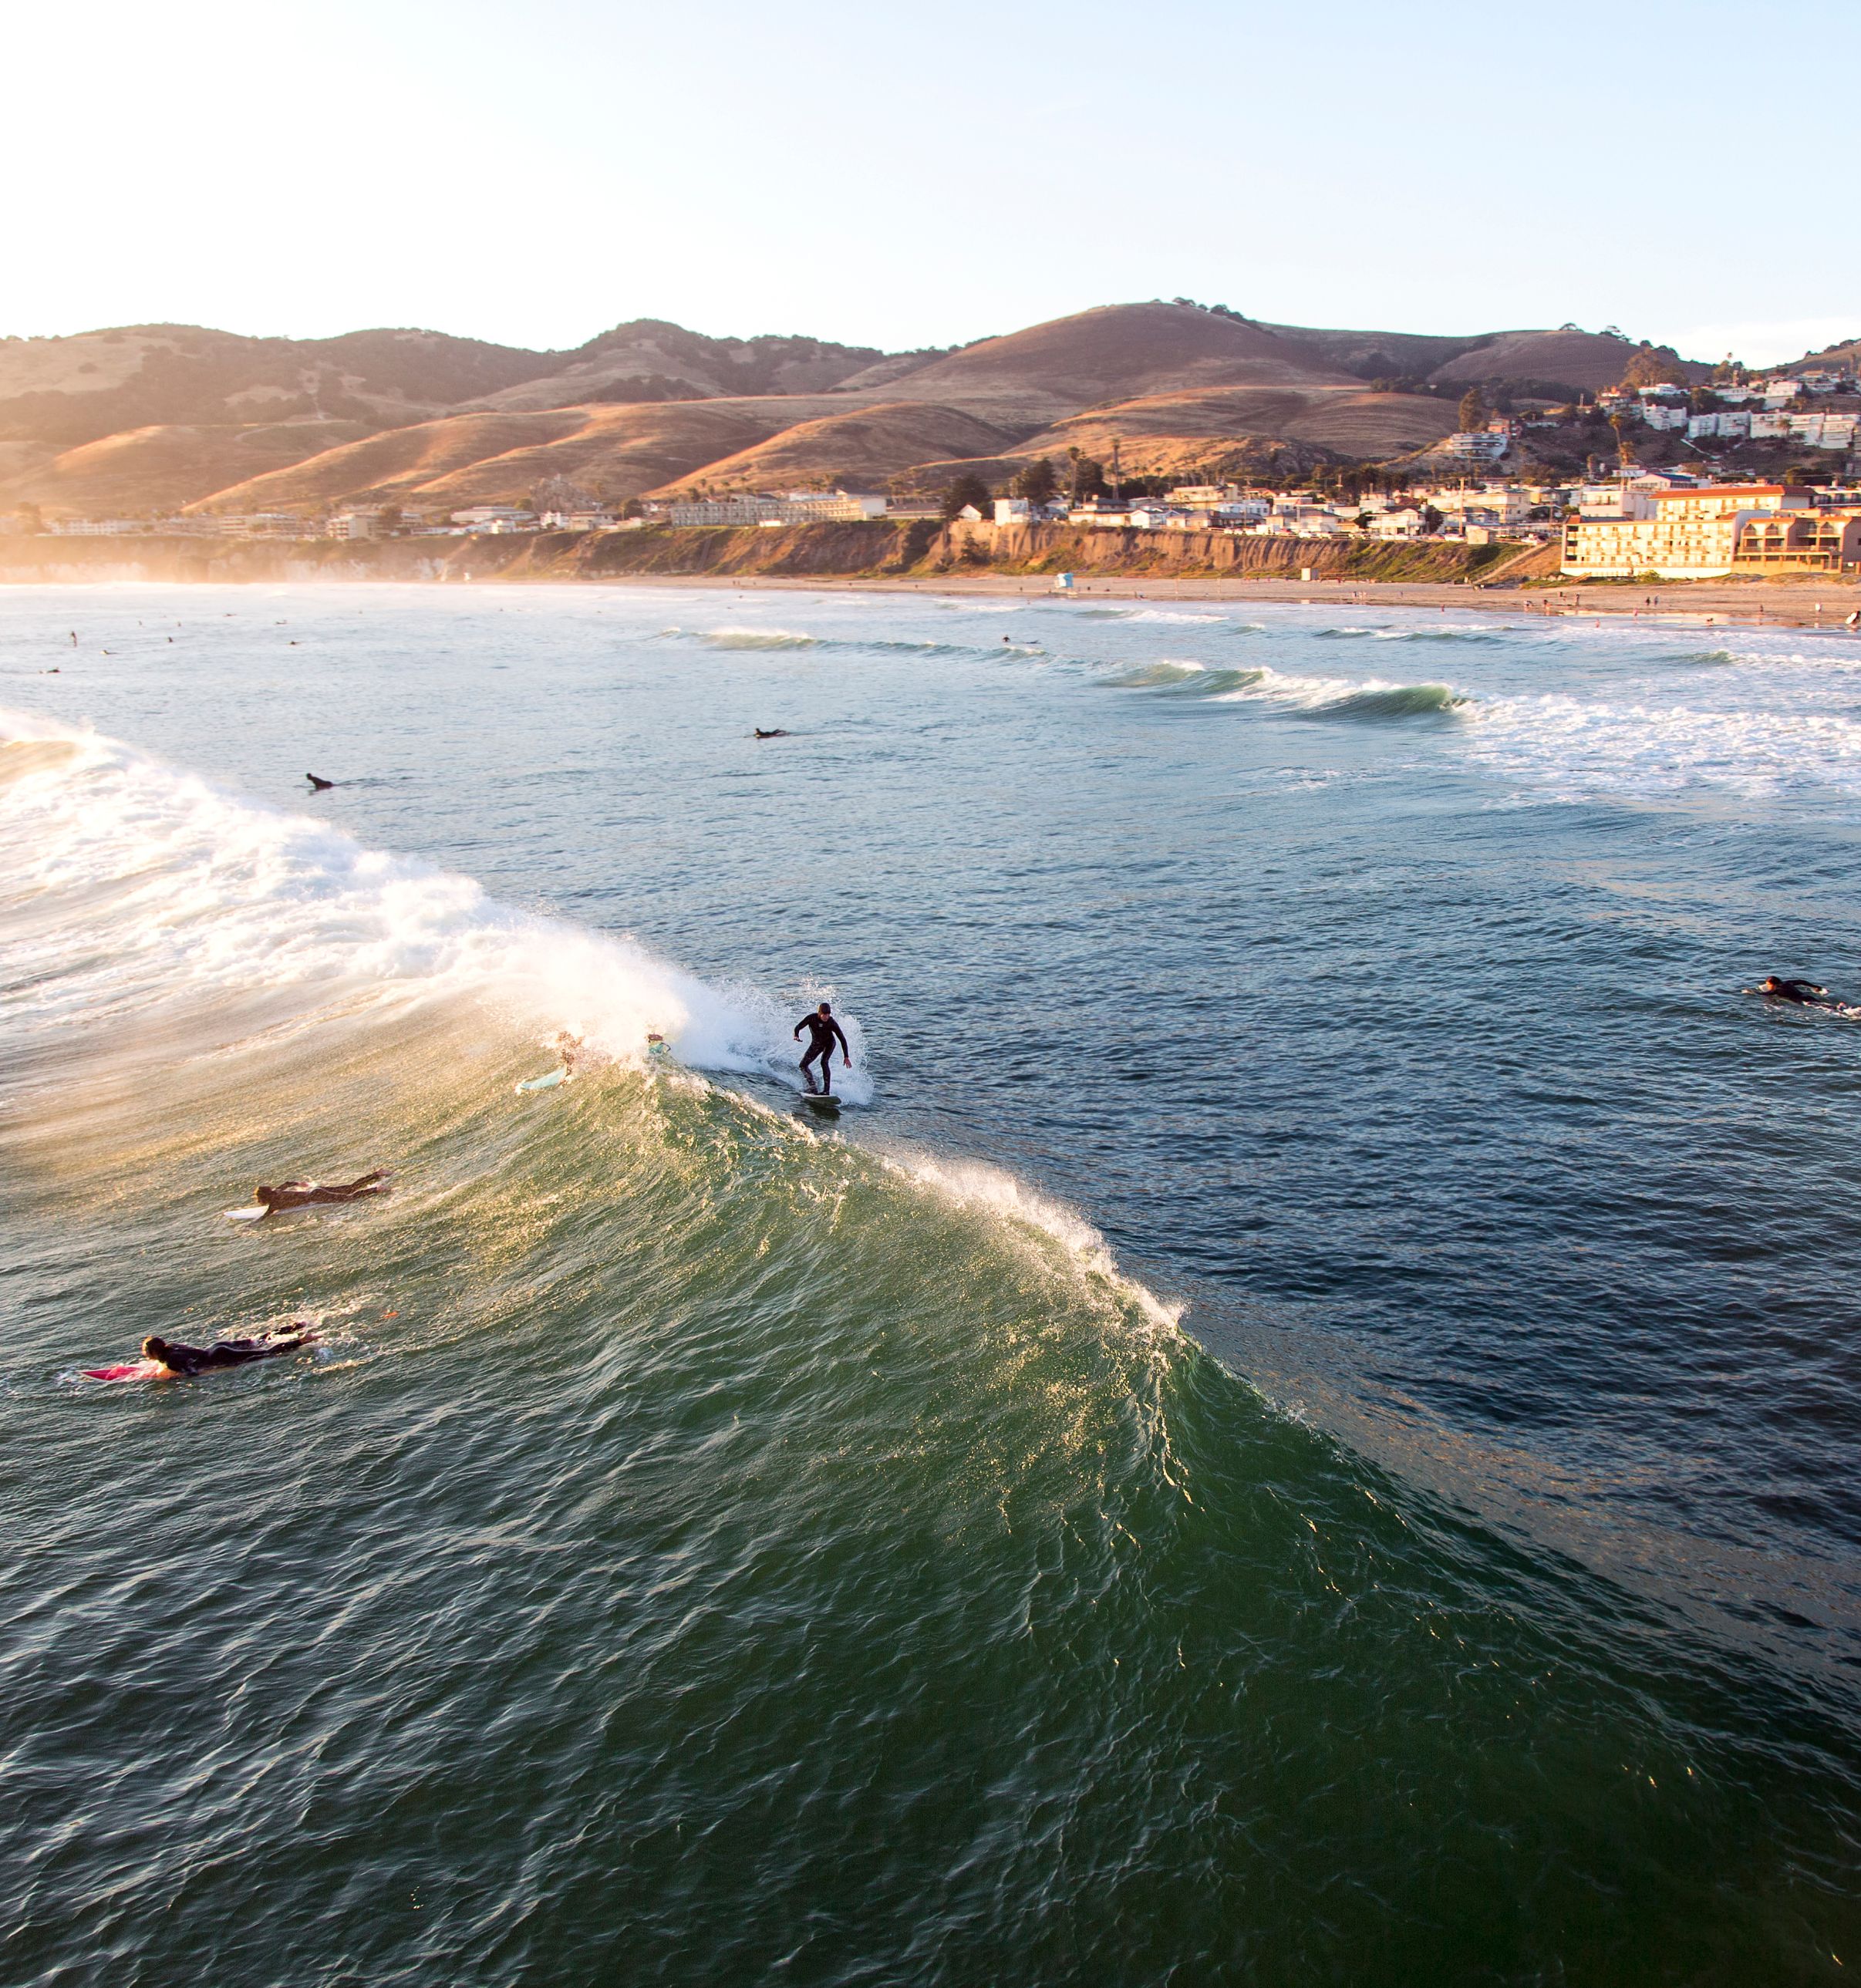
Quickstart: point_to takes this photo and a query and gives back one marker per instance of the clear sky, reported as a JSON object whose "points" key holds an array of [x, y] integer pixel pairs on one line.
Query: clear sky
{"points": [[533, 172]]}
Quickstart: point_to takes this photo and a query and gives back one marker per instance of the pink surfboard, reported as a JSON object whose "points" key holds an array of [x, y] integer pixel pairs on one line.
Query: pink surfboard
{"points": [[137, 1370]]}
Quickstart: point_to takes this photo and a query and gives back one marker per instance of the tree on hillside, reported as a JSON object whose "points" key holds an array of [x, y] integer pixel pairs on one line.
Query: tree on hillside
{"points": [[1088, 478], [391, 520], [1038, 482], [1473, 410], [969, 489], [1655, 366]]}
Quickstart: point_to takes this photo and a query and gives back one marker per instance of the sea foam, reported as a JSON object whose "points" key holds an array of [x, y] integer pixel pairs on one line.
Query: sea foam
{"points": [[128, 885]]}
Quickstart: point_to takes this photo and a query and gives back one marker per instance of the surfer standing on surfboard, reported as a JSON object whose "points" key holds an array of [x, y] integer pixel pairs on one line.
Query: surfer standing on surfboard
{"points": [[311, 1194], [823, 1033]]}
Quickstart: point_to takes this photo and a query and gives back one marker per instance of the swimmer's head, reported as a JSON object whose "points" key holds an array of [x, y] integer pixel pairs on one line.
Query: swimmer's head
{"points": [[826, 1008], [1768, 985], [155, 1349], [268, 1195]]}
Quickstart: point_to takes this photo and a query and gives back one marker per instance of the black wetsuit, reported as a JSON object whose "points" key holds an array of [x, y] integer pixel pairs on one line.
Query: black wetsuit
{"points": [[823, 1032], [1805, 993], [227, 1352]]}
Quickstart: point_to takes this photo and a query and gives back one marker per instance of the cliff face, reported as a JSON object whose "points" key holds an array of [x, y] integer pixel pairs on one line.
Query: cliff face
{"points": [[922, 549]]}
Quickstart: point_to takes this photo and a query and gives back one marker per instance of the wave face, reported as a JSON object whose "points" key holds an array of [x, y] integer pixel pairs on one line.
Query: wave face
{"points": [[212, 904], [1305, 697], [713, 1540]]}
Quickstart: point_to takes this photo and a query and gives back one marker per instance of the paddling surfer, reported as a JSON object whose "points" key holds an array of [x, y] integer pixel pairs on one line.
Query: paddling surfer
{"points": [[1799, 993], [823, 1033], [314, 1194], [181, 1360]]}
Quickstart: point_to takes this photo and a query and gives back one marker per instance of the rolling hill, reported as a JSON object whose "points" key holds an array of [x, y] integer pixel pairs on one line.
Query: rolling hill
{"points": [[153, 418]]}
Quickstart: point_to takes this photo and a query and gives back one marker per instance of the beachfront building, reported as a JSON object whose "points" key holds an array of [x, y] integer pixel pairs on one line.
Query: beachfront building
{"points": [[1826, 539], [794, 507], [1684, 534], [494, 519], [1501, 504]]}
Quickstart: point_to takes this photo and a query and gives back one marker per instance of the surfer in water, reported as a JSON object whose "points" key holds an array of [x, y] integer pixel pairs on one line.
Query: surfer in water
{"points": [[319, 786], [778, 733], [1800, 993], [823, 1033], [315, 1194], [179, 1359]]}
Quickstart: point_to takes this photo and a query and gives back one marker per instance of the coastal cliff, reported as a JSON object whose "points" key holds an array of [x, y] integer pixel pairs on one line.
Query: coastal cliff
{"points": [[920, 548]]}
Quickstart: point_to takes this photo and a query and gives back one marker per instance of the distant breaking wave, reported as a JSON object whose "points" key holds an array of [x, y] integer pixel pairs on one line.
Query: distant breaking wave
{"points": [[1295, 696], [1448, 634], [788, 639]]}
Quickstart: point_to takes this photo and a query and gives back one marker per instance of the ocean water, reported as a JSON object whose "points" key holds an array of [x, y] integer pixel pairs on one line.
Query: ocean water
{"points": [[1300, 1426]]}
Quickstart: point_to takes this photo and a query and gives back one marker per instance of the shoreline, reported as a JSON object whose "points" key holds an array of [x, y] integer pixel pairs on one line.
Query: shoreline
{"points": [[842, 558], [1700, 600]]}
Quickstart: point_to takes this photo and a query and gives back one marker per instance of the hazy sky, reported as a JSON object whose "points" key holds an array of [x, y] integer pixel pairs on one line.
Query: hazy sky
{"points": [[534, 173]]}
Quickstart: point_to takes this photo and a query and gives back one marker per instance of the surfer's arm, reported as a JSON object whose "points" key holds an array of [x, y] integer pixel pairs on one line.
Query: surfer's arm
{"points": [[846, 1055]]}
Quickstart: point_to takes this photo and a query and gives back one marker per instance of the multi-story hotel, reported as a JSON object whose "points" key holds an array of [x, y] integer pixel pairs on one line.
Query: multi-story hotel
{"points": [[1711, 531]]}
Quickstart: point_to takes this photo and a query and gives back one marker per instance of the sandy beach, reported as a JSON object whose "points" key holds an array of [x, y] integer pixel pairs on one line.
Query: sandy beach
{"points": [[1798, 604]]}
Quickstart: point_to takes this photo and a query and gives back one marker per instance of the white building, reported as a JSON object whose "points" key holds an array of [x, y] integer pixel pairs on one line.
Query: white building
{"points": [[794, 507], [1693, 534], [495, 518], [1483, 445]]}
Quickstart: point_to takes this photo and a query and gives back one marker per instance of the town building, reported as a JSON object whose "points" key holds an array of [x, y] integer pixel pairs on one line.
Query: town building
{"points": [[1486, 445], [495, 518], [794, 507], [1682, 534]]}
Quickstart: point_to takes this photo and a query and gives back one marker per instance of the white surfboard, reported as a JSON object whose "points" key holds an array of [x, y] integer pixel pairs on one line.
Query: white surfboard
{"points": [[548, 1081]]}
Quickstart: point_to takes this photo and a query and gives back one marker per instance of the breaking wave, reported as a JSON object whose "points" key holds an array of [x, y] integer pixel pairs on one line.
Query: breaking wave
{"points": [[217, 907]]}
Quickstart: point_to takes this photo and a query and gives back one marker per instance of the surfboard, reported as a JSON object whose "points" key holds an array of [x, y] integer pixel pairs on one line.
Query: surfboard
{"points": [[243, 1214], [548, 1081], [137, 1370]]}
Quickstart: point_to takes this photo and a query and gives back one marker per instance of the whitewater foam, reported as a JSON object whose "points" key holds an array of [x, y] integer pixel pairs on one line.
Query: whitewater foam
{"points": [[205, 897], [989, 1192], [746, 638]]}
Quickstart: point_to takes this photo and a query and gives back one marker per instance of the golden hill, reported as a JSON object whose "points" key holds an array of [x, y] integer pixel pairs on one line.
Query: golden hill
{"points": [[612, 452], [1120, 352], [861, 448], [164, 468], [157, 418]]}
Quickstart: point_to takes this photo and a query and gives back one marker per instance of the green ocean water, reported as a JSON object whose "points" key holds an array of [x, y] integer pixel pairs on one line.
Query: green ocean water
{"points": [[713, 1543]]}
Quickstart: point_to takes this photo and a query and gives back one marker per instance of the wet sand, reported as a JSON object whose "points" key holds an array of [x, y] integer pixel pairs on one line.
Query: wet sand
{"points": [[1781, 603]]}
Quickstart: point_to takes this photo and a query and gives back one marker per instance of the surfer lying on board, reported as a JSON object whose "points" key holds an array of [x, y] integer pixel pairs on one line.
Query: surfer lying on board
{"points": [[1801, 993], [823, 1033], [315, 1194], [179, 1359]]}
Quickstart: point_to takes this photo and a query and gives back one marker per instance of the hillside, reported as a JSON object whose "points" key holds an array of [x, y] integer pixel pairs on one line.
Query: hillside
{"points": [[1120, 352], [861, 448], [163, 467], [611, 451], [157, 418], [649, 360]]}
